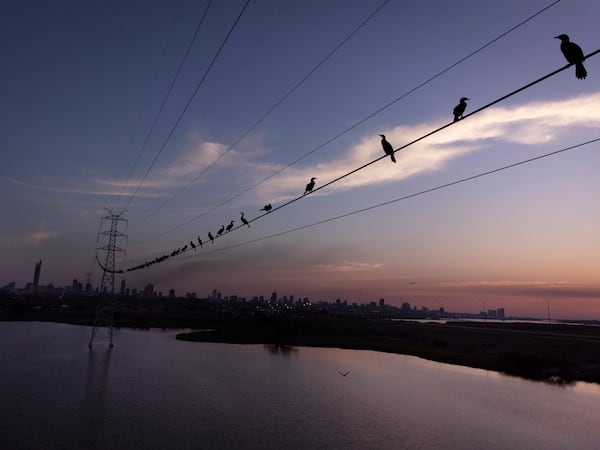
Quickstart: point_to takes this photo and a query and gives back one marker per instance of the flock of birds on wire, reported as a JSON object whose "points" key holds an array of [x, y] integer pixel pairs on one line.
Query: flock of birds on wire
{"points": [[571, 51]]}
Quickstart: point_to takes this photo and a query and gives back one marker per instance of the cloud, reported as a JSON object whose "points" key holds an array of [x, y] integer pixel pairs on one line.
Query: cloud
{"points": [[32, 239], [347, 266], [526, 288]]}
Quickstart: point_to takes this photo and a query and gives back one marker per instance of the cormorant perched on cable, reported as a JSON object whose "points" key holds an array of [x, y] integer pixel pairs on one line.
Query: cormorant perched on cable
{"points": [[244, 221], [199, 241], [310, 186], [387, 147], [220, 232], [210, 236], [266, 208], [574, 55], [229, 227], [460, 109], [184, 248], [192, 245]]}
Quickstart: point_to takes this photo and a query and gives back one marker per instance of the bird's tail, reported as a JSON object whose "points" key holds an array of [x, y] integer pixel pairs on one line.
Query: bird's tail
{"points": [[393, 158], [580, 71]]}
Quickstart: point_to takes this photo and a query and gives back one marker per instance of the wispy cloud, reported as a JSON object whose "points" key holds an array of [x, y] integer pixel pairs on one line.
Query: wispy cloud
{"points": [[31, 239], [526, 124], [539, 288], [347, 266]]}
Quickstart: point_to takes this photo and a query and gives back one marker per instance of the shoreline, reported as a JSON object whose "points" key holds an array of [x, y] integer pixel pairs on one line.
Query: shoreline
{"points": [[543, 352]]}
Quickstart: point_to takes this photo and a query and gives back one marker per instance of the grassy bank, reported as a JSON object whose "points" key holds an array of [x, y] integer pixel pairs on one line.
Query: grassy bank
{"points": [[553, 352], [560, 353]]}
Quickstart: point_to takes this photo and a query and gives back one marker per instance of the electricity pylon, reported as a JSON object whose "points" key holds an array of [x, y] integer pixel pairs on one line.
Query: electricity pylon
{"points": [[104, 312]]}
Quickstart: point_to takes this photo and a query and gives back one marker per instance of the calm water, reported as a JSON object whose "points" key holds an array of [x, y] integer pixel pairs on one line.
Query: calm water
{"points": [[154, 392]]}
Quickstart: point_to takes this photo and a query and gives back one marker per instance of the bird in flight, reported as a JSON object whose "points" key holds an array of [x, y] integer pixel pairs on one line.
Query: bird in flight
{"points": [[573, 54], [229, 227], [344, 373], [310, 186], [266, 208], [244, 221], [387, 147]]}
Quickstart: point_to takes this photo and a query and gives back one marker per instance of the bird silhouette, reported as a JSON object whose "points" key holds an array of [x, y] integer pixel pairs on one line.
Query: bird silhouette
{"points": [[387, 147], [344, 373], [199, 241], [460, 109], [266, 208], [310, 186], [220, 232], [184, 248], [244, 221], [210, 236], [229, 227], [192, 245], [573, 54]]}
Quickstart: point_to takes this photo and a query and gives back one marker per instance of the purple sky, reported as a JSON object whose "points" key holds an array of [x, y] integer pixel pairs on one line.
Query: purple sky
{"points": [[82, 83]]}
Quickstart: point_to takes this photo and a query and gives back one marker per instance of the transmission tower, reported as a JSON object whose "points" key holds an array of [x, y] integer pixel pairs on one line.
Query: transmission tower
{"points": [[109, 237]]}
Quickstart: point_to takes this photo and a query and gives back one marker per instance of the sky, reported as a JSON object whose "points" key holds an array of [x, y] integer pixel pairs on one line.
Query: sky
{"points": [[83, 82]]}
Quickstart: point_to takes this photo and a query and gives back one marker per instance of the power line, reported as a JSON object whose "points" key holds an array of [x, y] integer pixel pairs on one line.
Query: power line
{"points": [[270, 110], [167, 95], [409, 196], [437, 130], [340, 134], [375, 206], [187, 105]]}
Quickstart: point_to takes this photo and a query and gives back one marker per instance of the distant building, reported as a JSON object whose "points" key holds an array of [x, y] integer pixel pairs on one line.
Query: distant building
{"points": [[36, 275], [171, 294], [123, 286], [149, 290]]}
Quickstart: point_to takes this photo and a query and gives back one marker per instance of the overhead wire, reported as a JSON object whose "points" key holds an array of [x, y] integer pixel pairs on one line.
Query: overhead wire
{"points": [[187, 105], [272, 108], [343, 132], [414, 141], [382, 204], [504, 97], [166, 96], [409, 196]]}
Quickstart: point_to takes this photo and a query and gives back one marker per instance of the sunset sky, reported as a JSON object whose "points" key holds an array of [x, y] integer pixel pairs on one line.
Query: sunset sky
{"points": [[82, 83]]}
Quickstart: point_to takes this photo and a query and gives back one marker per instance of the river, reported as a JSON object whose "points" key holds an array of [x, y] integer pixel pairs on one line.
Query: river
{"points": [[154, 392]]}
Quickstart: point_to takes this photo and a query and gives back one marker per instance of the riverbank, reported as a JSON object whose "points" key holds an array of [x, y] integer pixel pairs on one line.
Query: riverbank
{"points": [[557, 353], [549, 352]]}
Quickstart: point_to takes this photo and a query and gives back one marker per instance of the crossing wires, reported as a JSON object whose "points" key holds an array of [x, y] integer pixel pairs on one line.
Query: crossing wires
{"points": [[189, 102], [338, 135], [164, 101], [271, 109]]}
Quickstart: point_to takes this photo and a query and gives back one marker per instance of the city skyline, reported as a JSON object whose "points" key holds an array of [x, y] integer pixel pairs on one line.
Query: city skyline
{"points": [[84, 84]]}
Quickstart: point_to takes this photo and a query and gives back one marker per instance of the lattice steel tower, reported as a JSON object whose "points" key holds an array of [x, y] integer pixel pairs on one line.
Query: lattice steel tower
{"points": [[109, 237]]}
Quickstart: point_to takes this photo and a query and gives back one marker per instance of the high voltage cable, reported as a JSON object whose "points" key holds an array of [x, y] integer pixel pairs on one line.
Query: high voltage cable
{"points": [[270, 110], [167, 95], [504, 97], [177, 252], [187, 105], [389, 202], [343, 132], [409, 196]]}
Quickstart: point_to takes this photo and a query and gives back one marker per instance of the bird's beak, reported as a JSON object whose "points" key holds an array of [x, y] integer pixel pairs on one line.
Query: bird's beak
{"points": [[556, 37]]}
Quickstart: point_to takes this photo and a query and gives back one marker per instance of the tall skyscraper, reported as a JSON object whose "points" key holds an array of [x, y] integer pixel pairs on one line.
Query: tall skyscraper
{"points": [[36, 275]]}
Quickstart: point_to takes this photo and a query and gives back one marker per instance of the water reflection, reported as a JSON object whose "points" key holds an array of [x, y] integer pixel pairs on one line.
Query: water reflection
{"points": [[94, 409], [280, 349]]}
